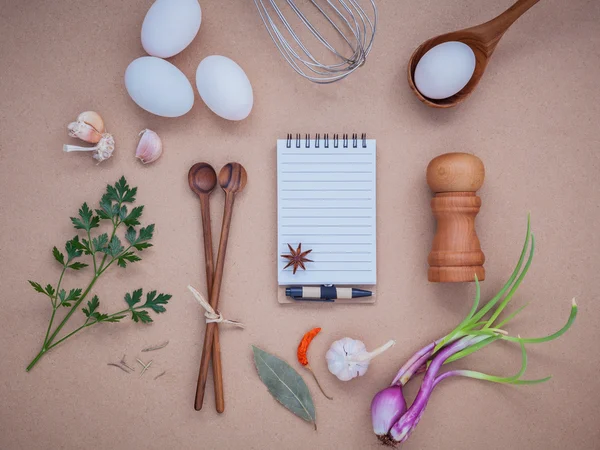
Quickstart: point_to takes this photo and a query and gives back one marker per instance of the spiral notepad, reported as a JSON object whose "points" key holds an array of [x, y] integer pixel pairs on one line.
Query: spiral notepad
{"points": [[326, 192]]}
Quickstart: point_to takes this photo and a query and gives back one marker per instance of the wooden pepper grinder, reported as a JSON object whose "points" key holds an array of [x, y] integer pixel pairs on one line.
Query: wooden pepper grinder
{"points": [[456, 252]]}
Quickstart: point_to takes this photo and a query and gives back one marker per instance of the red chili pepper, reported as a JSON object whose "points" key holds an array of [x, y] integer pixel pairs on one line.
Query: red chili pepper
{"points": [[304, 343], [302, 355]]}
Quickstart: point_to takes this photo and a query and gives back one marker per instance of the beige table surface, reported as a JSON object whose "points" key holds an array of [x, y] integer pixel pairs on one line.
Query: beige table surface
{"points": [[533, 121]]}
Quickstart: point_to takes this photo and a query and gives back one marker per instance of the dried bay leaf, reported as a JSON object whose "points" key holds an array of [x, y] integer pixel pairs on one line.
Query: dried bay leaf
{"points": [[285, 385]]}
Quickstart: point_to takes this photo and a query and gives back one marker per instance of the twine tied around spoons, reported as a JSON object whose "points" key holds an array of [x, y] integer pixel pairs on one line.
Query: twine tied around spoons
{"points": [[211, 315]]}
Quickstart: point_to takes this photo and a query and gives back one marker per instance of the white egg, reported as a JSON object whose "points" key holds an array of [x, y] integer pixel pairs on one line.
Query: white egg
{"points": [[170, 26], [444, 70], [224, 87], [159, 87]]}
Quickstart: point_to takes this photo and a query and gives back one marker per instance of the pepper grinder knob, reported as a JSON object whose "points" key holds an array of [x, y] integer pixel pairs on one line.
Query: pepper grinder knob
{"points": [[456, 254]]}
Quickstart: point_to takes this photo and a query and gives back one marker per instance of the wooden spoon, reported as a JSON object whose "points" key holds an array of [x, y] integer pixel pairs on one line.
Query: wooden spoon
{"points": [[232, 179], [482, 39], [202, 179]]}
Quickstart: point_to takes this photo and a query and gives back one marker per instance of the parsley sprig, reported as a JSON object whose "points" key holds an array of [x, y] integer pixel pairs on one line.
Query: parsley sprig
{"points": [[104, 249]]}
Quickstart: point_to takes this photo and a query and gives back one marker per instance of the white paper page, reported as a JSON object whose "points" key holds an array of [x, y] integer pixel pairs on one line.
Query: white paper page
{"points": [[327, 201]]}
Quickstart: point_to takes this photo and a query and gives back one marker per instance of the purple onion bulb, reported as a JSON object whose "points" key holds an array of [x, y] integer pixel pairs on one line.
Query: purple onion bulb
{"points": [[386, 408]]}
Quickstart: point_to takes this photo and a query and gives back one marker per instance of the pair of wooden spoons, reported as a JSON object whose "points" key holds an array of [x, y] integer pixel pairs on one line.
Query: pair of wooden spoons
{"points": [[202, 179], [482, 39]]}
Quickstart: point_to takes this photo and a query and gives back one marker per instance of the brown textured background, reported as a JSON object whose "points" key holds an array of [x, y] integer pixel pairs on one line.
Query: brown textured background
{"points": [[533, 121]]}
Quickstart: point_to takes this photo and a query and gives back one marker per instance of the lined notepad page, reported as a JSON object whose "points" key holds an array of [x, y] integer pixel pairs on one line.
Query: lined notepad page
{"points": [[327, 201]]}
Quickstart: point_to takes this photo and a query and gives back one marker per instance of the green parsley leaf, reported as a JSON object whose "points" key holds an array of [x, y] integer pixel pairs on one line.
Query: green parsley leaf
{"points": [[85, 245], [86, 220], [155, 303], [121, 192], [91, 312], [127, 257], [130, 235], [141, 316], [105, 212], [72, 296], [114, 247], [50, 290], [74, 248], [112, 194], [92, 305], [58, 256], [121, 186], [128, 194], [140, 242], [37, 287], [77, 266], [122, 213], [103, 215], [142, 245], [146, 233], [134, 215], [99, 243], [136, 297]]}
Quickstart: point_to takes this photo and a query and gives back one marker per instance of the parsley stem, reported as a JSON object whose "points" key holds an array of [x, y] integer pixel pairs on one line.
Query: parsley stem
{"points": [[73, 309], [92, 250], [54, 307], [35, 360], [49, 327], [85, 325], [62, 274], [88, 324], [113, 260], [116, 224]]}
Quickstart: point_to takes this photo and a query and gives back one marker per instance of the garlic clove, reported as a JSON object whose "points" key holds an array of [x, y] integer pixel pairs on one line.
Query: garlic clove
{"points": [[93, 119], [84, 131], [149, 148]]}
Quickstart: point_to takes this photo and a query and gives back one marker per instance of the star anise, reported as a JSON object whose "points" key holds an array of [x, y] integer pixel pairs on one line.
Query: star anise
{"points": [[297, 258]]}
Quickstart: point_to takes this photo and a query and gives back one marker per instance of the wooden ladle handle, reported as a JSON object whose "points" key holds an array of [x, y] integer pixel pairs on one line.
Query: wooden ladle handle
{"points": [[493, 30]]}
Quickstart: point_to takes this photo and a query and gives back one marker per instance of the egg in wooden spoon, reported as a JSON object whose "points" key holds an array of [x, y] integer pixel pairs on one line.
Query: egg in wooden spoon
{"points": [[445, 70]]}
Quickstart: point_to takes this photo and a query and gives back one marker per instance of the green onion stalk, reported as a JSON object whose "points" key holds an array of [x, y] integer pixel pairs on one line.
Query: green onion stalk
{"points": [[393, 421]]}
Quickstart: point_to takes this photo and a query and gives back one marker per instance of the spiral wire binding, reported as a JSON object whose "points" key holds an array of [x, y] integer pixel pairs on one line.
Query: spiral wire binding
{"points": [[336, 140], [347, 18]]}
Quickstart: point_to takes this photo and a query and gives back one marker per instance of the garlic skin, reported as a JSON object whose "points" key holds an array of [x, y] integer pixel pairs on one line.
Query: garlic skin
{"points": [[102, 151], [149, 148], [88, 127], [85, 132], [93, 119], [348, 358]]}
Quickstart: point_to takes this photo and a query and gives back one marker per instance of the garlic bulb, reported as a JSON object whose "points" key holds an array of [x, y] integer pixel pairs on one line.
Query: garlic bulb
{"points": [[149, 148], [88, 127], [348, 358]]}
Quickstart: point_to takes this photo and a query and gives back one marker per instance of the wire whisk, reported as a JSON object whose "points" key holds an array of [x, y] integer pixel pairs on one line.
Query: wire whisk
{"points": [[343, 28]]}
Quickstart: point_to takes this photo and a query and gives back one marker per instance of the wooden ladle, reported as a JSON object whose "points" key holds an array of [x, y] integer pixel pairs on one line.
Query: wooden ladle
{"points": [[482, 39], [202, 179], [232, 179]]}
